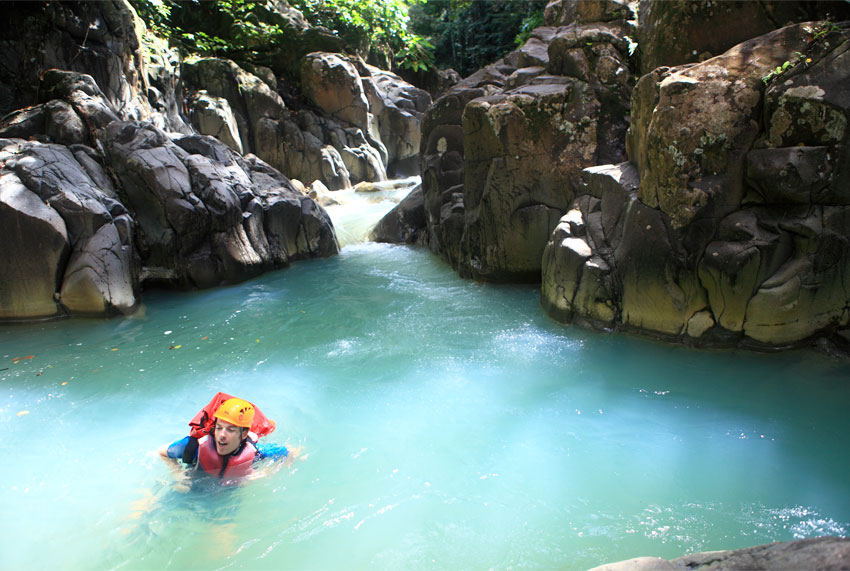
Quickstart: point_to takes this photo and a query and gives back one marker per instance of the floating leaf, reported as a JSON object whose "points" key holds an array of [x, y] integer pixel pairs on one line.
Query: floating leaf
{"points": [[115, 348], [205, 337], [23, 412], [64, 383]]}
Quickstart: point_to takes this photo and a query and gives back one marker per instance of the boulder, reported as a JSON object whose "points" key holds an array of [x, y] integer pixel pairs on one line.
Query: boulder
{"points": [[241, 110], [206, 216], [521, 150], [88, 256], [826, 553], [694, 125], [100, 278], [397, 108], [729, 226], [99, 39], [35, 250], [222, 88], [332, 83], [503, 150], [566, 12], [213, 116], [676, 33], [404, 224]]}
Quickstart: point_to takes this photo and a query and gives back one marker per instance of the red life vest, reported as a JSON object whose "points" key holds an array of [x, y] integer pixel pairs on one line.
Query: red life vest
{"points": [[225, 467]]}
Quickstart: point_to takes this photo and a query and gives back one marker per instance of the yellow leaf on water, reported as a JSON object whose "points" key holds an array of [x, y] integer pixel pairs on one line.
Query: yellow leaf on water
{"points": [[23, 412], [257, 340], [177, 346], [115, 348], [64, 383]]}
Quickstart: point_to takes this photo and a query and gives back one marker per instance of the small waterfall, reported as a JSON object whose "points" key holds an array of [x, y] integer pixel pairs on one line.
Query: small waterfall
{"points": [[355, 211]]}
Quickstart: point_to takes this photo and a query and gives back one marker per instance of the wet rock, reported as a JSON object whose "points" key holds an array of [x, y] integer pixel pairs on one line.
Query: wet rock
{"points": [[404, 224], [826, 553]]}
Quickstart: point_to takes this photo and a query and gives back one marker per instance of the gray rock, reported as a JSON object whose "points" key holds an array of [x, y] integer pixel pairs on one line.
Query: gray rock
{"points": [[734, 235], [189, 201], [824, 553], [504, 149], [100, 277], [35, 249], [404, 224], [676, 33], [213, 116]]}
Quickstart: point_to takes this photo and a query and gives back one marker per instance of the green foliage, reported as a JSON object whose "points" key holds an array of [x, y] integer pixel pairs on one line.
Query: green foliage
{"points": [[469, 34], [411, 34], [379, 25], [229, 28]]}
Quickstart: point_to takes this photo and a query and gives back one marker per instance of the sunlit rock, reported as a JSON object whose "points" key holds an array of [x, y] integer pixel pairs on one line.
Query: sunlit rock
{"points": [[35, 249], [676, 33], [213, 116], [495, 188], [332, 83], [397, 109], [735, 231]]}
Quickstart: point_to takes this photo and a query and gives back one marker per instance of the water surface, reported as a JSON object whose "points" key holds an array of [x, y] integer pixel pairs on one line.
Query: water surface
{"points": [[445, 425]]}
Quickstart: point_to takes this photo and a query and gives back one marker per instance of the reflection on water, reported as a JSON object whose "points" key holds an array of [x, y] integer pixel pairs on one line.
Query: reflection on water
{"points": [[444, 423]]}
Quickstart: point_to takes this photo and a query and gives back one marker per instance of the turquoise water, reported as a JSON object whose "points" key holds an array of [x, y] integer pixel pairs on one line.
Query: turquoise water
{"points": [[444, 424]]}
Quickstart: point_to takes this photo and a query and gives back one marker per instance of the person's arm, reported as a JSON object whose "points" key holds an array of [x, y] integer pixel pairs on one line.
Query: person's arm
{"points": [[172, 454]]}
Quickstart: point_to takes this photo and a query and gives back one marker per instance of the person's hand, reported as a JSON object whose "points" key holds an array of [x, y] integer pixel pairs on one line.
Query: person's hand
{"points": [[292, 456], [182, 482]]}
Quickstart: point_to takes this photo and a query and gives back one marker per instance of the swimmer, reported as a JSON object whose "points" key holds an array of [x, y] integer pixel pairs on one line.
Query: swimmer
{"points": [[224, 445]]}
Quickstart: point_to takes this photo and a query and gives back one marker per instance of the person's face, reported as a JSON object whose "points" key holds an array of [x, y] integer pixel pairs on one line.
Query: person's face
{"points": [[227, 437]]}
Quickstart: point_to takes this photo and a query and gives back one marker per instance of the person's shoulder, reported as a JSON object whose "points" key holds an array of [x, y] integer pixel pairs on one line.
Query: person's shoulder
{"points": [[176, 448]]}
